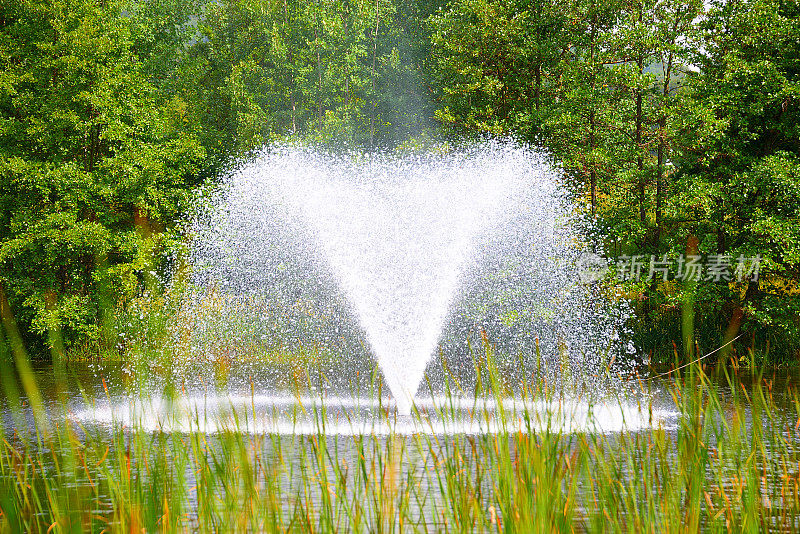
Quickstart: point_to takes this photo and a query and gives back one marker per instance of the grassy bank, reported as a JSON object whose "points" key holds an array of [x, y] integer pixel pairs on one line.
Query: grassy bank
{"points": [[728, 462]]}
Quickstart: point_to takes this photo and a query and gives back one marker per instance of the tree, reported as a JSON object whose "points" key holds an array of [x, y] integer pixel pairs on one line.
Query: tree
{"points": [[585, 127], [492, 60], [92, 158], [738, 184]]}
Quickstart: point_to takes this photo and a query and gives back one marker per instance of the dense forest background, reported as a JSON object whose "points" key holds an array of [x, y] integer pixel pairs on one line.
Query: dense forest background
{"points": [[676, 125]]}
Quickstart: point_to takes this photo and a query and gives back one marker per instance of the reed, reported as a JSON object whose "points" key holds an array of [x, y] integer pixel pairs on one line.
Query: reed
{"points": [[730, 463]]}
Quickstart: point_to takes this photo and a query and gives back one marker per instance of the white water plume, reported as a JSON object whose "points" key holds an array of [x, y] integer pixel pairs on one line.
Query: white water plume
{"points": [[398, 241]]}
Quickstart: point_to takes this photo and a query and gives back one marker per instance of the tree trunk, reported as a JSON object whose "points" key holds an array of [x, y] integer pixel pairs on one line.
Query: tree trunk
{"points": [[639, 158], [319, 72], [372, 76], [687, 307], [659, 182], [735, 322], [592, 171], [289, 63], [592, 114], [662, 151]]}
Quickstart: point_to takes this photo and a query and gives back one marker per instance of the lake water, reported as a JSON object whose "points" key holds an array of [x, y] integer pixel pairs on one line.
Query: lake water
{"points": [[102, 400]]}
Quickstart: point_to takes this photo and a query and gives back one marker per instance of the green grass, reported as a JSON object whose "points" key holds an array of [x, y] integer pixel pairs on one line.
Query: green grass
{"points": [[712, 472]]}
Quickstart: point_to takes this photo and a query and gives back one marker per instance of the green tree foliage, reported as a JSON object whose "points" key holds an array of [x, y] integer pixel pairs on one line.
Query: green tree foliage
{"points": [[586, 124], [738, 185], [92, 156], [113, 113], [672, 121], [330, 70], [675, 124], [491, 60], [588, 80]]}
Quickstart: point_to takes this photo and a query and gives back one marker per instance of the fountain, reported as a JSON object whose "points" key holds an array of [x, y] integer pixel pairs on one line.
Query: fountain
{"points": [[398, 293], [404, 256]]}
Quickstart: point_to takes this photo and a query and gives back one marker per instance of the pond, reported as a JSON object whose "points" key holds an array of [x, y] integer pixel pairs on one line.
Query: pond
{"points": [[707, 447]]}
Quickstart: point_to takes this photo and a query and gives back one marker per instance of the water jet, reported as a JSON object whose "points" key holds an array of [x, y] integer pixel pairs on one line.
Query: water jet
{"points": [[400, 259]]}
